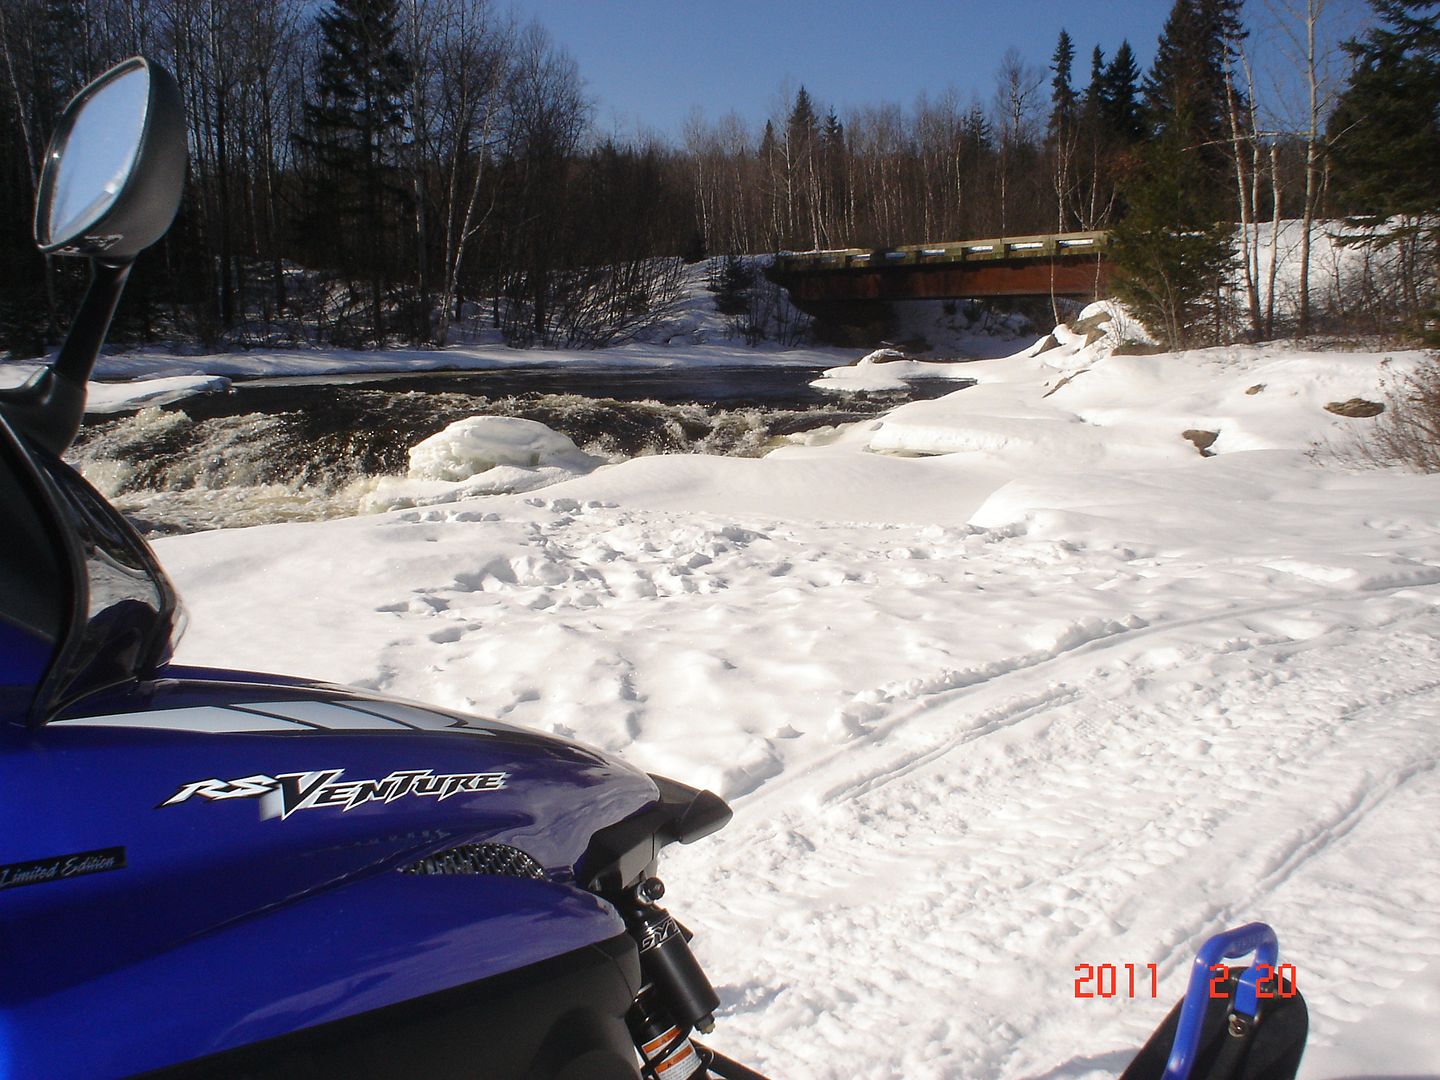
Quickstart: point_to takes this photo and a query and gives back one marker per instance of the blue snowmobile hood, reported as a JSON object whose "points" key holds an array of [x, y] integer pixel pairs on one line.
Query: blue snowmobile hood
{"points": [[234, 821]]}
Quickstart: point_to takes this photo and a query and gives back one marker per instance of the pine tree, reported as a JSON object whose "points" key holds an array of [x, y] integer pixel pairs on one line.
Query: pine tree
{"points": [[1120, 96], [1062, 94], [1170, 254], [1386, 132], [802, 125], [1062, 134], [1186, 92], [353, 130], [1095, 91], [1172, 249], [832, 155], [802, 133], [732, 283]]}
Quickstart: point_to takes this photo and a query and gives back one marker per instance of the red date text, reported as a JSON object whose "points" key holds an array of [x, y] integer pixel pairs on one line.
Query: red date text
{"points": [[1267, 986], [1115, 980]]}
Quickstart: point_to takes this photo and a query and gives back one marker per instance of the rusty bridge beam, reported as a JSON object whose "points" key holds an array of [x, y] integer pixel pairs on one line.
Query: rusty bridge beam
{"points": [[1064, 264]]}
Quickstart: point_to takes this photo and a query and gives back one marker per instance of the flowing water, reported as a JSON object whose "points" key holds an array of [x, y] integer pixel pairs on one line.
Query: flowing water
{"points": [[304, 449]]}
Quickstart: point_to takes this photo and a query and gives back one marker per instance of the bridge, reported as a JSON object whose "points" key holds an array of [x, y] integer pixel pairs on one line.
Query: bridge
{"points": [[1060, 264]]}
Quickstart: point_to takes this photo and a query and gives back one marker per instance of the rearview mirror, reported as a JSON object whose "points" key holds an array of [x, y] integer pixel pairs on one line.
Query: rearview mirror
{"points": [[115, 165]]}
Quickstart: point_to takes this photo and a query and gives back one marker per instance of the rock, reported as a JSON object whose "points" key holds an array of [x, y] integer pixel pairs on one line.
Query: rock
{"points": [[1049, 342], [1256, 388], [1093, 322], [1094, 334], [1203, 440], [1355, 407]]}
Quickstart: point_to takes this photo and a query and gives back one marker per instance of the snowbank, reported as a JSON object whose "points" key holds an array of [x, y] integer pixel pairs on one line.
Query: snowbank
{"points": [[1077, 403]]}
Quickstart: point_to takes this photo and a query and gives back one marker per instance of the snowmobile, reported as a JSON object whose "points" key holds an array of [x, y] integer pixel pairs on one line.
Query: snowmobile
{"points": [[212, 873]]}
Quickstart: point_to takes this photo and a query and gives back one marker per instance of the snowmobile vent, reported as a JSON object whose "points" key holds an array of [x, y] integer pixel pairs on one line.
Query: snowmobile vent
{"points": [[493, 860]]}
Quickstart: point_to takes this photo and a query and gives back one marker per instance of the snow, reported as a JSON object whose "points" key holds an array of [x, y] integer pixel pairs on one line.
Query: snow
{"points": [[999, 684], [106, 397], [888, 369]]}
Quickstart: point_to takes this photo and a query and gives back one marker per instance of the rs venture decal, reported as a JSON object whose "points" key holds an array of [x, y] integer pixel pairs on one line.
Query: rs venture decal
{"points": [[286, 794]]}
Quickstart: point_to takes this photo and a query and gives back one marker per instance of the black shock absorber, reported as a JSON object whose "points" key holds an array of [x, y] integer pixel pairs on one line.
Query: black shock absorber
{"points": [[676, 996]]}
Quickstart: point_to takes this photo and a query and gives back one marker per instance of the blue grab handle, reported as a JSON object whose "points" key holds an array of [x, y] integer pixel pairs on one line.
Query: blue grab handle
{"points": [[1255, 938]]}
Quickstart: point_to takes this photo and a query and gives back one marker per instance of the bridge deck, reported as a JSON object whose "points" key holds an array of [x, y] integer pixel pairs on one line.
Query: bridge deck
{"points": [[1066, 264]]}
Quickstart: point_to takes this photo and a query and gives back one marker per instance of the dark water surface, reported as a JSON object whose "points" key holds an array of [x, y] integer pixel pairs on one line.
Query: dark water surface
{"points": [[312, 437]]}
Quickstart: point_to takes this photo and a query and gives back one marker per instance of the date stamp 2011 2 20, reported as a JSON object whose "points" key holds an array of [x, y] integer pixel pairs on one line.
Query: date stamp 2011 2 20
{"points": [[1130, 980]]}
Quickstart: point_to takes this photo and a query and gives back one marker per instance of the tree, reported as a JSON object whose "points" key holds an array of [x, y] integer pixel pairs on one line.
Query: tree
{"points": [[1188, 91], [731, 285], [771, 169], [474, 51], [1120, 96], [1386, 135], [1311, 62], [1061, 131], [835, 189], [1016, 107], [1170, 255], [353, 133], [1062, 93], [802, 134]]}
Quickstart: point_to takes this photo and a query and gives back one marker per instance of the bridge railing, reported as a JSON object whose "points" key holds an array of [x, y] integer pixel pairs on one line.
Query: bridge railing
{"points": [[1050, 246]]}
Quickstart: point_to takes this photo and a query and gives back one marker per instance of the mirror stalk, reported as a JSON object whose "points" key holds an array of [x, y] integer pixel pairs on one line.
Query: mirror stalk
{"points": [[48, 409]]}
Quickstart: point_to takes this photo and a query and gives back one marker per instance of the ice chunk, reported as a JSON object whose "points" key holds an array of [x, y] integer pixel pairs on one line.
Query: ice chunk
{"points": [[478, 443]]}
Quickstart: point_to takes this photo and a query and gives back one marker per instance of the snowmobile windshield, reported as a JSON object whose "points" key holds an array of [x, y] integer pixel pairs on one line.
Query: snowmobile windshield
{"points": [[83, 598], [130, 607], [34, 587]]}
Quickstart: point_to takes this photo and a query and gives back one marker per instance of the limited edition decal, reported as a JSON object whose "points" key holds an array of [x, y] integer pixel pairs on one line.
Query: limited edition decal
{"points": [[61, 867], [287, 793]]}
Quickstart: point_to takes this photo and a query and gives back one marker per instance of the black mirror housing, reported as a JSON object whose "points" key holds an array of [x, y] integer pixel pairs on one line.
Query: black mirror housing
{"points": [[145, 195], [113, 174]]}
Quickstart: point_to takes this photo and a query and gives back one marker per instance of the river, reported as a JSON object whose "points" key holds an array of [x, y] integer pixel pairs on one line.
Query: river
{"points": [[302, 449]]}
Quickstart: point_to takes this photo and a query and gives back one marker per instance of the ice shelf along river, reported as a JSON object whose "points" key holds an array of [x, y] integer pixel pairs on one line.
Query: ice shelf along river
{"points": [[304, 448]]}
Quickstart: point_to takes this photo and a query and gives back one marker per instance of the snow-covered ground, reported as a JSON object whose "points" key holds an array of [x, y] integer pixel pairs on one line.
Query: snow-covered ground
{"points": [[999, 684]]}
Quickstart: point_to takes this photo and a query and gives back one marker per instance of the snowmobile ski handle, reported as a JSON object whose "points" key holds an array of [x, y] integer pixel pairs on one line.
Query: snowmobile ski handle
{"points": [[1255, 938]]}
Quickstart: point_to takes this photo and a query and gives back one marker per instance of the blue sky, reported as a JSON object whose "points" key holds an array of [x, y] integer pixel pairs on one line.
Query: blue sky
{"points": [[647, 63]]}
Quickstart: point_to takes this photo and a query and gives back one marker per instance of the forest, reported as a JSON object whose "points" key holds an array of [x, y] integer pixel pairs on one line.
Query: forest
{"points": [[369, 173]]}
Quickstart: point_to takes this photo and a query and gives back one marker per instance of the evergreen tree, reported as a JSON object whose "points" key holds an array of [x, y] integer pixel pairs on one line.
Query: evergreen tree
{"points": [[1095, 91], [731, 286], [978, 135], [1062, 132], [1186, 92], [1172, 249], [802, 176], [1062, 94], [353, 131], [1120, 96], [1386, 132], [1170, 254], [802, 125], [767, 142], [832, 155]]}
